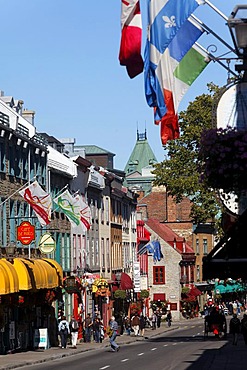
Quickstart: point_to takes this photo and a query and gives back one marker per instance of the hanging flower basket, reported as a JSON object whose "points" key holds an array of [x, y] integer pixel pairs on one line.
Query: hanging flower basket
{"points": [[144, 294], [223, 159], [120, 294], [135, 307]]}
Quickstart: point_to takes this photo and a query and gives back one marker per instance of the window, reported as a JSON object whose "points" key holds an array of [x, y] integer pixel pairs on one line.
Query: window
{"points": [[2, 157], [197, 246], [198, 273], [159, 275], [205, 246], [103, 253]]}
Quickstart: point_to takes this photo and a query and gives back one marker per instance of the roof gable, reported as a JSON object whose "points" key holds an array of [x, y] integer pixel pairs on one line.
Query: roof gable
{"points": [[168, 235]]}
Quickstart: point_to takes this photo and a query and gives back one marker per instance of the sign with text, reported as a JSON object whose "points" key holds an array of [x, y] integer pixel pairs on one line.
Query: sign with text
{"points": [[41, 339], [25, 233]]}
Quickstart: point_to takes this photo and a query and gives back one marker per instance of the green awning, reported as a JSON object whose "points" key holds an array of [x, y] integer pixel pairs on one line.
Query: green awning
{"points": [[233, 287]]}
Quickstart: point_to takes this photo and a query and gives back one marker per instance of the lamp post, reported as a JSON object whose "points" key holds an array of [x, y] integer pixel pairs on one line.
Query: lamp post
{"points": [[237, 23]]}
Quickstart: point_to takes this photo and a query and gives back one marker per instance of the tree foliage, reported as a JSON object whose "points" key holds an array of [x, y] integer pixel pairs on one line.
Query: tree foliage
{"points": [[179, 173]]}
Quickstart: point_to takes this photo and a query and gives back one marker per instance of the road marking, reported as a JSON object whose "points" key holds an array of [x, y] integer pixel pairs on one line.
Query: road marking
{"points": [[174, 344], [153, 349], [140, 354], [165, 345], [104, 367], [126, 359]]}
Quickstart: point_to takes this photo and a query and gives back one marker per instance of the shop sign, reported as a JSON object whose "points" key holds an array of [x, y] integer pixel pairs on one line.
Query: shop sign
{"points": [[72, 284], [25, 233], [47, 243], [41, 339]]}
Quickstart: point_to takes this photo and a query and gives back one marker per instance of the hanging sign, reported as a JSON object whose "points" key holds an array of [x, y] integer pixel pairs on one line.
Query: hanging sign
{"points": [[25, 232], [47, 243]]}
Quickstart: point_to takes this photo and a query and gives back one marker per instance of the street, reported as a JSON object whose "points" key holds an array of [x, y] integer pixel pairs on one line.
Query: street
{"points": [[183, 348]]}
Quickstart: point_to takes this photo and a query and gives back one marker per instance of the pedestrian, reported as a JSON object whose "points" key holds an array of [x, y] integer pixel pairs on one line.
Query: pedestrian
{"points": [[96, 329], [142, 325], [154, 320], [88, 328], [159, 315], [169, 318], [74, 327], [235, 328], [63, 329], [135, 324], [244, 327], [114, 331], [127, 325]]}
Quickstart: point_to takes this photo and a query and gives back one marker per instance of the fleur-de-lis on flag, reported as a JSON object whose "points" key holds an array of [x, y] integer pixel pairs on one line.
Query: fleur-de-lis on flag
{"points": [[169, 22]]}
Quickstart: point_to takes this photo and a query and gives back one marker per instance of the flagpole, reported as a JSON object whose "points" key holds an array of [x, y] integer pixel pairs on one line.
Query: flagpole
{"points": [[22, 187], [216, 10], [60, 192], [206, 28], [215, 59]]}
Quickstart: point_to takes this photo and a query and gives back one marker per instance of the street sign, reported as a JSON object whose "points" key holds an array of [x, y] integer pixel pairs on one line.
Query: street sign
{"points": [[25, 232]]}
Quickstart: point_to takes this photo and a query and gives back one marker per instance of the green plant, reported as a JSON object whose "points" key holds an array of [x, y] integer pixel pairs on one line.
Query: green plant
{"points": [[144, 293], [120, 294]]}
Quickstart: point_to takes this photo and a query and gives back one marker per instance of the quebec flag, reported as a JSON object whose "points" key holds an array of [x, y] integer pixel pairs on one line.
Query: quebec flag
{"points": [[165, 18], [154, 248]]}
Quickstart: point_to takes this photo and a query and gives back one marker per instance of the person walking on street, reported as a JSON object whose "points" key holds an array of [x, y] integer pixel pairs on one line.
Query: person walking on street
{"points": [[96, 329], [244, 327], [63, 329], [114, 328], [135, 324], [235, 328], [159, 315], [88, 328], [154, 320], [127, 325], [142, 325], [74, 327], [169, 318]]}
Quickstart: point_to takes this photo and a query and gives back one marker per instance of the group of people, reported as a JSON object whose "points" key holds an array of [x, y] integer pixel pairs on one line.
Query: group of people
{"points": [[91, 327], [65, 328], [237, 327]]}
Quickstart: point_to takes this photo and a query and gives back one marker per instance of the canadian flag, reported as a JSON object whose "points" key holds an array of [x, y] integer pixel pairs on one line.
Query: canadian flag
{"points": [[130, 47]]}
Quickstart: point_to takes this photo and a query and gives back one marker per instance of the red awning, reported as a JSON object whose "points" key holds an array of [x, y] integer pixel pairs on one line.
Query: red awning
{"points": [[126, 282], [194, 292]]}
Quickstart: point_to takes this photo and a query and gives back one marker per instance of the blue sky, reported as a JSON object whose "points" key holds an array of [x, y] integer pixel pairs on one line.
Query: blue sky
{"points": [[61, 58]]}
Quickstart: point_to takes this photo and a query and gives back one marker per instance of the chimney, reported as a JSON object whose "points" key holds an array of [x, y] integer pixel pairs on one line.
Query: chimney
{"points": [[29, 115]]}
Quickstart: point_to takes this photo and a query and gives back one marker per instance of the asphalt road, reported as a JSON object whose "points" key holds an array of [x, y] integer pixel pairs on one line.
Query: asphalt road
{"points": [[184, 348]]}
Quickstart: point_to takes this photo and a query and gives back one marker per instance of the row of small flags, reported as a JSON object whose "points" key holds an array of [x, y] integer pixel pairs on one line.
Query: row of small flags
{"points": [[172, 59], [74, 207]]}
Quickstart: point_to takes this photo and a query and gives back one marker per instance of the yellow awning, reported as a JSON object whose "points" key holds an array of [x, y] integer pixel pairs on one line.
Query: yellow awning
{"points": [[58, 269], [24, 276], [12, 275], [50, 273], [4, 281], [36, 273]]}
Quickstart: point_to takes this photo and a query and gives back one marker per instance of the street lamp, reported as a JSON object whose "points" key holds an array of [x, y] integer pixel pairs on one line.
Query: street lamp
{"points": [[237, 23]]}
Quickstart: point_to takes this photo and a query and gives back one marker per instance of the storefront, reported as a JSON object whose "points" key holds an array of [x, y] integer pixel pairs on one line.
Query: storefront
{"points": [[28, 288]]}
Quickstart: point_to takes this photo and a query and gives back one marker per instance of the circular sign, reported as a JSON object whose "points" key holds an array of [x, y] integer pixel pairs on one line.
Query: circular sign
{"points": [[47, 244], [25, 233], [232, 112], [232, 107]]}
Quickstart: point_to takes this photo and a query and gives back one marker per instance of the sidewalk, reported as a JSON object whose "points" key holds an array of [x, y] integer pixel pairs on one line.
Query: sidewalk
{"points": [[22, 359]]}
